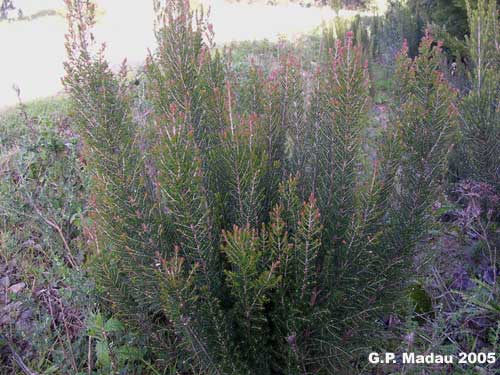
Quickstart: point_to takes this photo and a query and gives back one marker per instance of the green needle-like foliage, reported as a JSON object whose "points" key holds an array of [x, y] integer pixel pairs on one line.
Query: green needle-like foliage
{"points": [[239, 230], [103, 110], [425, 119], [339, 109], [250, 278], [481, 107], [241, 168]]}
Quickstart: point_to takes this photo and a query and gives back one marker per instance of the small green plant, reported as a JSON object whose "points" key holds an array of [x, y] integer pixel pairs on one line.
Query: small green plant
{"points": [[112, 358]]}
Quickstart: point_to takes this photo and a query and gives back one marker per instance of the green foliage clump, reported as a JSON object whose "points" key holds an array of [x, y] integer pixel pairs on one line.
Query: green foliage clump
{"points": [[425, 112], [239, 230], [481, 107], [402, 21]]}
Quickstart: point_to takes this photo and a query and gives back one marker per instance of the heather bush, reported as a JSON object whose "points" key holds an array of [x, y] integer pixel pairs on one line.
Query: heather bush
{"points": [[465, 289], [239, 228], [480, 147], [401, 22], [425, 114]]}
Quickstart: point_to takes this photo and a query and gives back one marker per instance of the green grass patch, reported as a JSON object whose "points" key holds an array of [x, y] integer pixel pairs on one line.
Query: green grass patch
{"points": [[13, 125]]}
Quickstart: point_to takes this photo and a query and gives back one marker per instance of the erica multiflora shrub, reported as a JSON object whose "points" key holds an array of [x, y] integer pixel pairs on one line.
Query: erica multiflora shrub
{"points": [[480, 144], [240, 230], [414, 156], [425, 118], [480, 108], [121, 198]]}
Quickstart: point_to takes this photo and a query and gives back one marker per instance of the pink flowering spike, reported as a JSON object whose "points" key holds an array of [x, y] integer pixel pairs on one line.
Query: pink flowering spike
{"points": [[173, 109], [405, 48]]}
